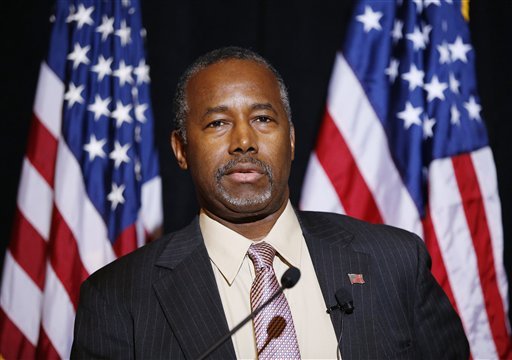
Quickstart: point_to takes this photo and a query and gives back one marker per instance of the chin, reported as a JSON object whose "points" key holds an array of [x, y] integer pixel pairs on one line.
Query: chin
{"points": [[254, 202]]}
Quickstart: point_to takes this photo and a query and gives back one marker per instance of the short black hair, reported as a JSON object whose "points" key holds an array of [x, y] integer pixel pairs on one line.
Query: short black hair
{"points": [[213, 57]]}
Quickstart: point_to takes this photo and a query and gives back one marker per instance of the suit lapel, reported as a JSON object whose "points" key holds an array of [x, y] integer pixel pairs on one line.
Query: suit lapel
{"points": [[333, 256], [189, 296]]}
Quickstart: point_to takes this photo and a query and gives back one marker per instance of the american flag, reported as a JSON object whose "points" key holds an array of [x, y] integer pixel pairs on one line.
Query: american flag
{"points": [[90, 189], [403, 142]]}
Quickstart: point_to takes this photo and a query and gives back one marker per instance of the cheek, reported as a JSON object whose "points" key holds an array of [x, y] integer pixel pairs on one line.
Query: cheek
{"points": [[279, 155]]}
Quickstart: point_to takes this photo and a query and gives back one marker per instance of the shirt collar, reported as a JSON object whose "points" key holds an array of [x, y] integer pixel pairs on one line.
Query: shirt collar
{"points": [[227, 249]]}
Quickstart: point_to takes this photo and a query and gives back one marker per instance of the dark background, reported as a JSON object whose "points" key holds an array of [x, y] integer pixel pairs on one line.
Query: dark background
{"points": [[299, 37]]}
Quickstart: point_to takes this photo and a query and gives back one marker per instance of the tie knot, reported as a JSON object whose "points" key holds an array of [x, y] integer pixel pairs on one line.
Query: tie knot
{"points": [[262, 255]]}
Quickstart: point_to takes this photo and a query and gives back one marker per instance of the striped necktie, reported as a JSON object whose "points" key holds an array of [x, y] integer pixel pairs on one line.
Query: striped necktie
{"points": [[273, 326]]}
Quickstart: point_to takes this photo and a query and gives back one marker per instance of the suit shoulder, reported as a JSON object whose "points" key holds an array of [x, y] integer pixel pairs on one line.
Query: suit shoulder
{"points": [[136, 264], [364, 233], [137, 259]]}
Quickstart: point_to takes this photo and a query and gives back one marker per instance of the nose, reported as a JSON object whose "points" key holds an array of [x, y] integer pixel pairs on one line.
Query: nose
{"points": [[243, 139]]}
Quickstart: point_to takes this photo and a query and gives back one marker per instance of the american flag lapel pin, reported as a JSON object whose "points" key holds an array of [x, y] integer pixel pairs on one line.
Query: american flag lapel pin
{"points": [[356, 278]]}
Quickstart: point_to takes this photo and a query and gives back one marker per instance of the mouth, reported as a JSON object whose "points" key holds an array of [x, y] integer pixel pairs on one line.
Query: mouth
{"points": [[245, 173]]}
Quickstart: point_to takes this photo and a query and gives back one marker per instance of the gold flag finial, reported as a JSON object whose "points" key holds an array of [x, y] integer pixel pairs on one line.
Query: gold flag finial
{"points": [[464, 7]]}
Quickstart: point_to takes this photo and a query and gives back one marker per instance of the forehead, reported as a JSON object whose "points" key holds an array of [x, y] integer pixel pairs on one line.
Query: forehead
{"points": [[230, 76]]}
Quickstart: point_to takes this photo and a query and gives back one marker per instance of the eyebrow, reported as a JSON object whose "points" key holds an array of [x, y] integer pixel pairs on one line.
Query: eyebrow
{"points": [[224, 108], [265, 106], [216, 109]]}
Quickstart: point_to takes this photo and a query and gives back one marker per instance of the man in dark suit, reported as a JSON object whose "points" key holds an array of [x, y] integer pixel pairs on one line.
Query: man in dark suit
{"points": [[178, 295]]}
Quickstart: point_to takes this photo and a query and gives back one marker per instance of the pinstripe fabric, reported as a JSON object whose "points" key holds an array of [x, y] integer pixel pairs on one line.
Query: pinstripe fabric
{"points": [[400, 311], [161, 301]]}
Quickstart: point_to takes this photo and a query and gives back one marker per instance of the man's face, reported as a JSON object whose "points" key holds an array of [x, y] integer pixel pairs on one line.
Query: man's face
{"points": [[239, 142]]}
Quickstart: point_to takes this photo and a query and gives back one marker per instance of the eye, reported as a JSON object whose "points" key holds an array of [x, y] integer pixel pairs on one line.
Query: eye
{"points": [[215, 124], [263, 119]]}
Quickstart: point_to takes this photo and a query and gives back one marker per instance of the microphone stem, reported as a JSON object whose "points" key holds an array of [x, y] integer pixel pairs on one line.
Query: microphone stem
{"points": [[242, 323]]}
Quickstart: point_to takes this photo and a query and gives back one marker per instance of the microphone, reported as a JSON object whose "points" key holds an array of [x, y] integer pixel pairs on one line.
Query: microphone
{"points": [[346, 305], [288, 280], [344, 302]]}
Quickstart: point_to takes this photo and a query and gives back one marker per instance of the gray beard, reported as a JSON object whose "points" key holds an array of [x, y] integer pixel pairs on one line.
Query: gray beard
{"points": [[244, 201]]}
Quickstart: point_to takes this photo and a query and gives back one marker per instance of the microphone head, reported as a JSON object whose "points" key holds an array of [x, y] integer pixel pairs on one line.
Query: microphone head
{"points": [[344, 300], [290, 277]]}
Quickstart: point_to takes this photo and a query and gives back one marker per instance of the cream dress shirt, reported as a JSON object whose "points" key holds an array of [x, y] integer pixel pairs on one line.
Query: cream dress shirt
{"points": [[234, 273]]}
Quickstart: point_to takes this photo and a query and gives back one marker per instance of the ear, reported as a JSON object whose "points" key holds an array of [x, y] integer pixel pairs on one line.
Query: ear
{"points": [[292, 140], [178, 147]]}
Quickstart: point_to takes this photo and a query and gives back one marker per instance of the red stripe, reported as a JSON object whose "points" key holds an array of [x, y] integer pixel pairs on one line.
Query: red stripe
{"points": [[45, 349], [477, 222], [13, 344], [339, 164], [126, 242], [28, 248], [438, 268], [42, 150], [65, 258]]}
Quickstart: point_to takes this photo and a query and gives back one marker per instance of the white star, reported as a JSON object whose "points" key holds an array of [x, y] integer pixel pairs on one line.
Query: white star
{"points": [[473, 109], [444, 53], [427, 3], [137, 169], [410, 115], [79, 55], [370, 19], [139, 112], [135, 92], [459, 50], [95, 147], [454, 83], [106, 28], [392, 70], [428, 125], [74, 95], [414, 77], [417, 38], [83, 16], [397, 31], [137, 134], [120, 154], [124, 73], [455, 115], [125, 3], [419, 5], [142, 72], [425, 31], [71, 15], [99, 107], [122, 114], [124, 33], [435, 89], [102, 67], [116, 196]]}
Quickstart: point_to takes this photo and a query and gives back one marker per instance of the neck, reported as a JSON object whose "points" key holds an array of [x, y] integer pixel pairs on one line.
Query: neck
{"points": [[253, 230]]}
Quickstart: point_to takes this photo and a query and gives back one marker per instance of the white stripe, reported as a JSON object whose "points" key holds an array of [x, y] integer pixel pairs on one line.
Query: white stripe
{"points": [[21, 299], [360, 127], [79, 213], [318, 192], [35, 199], [459, 257], [49, 99], [485, 169], [58, 314], [151, 204]]}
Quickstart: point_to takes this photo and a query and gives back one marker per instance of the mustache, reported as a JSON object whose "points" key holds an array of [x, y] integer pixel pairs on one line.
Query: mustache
{"points": [[263, 166]]}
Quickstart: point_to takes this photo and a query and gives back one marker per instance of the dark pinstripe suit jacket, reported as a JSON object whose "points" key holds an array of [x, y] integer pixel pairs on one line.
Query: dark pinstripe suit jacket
{"points": [[162, 301]]}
